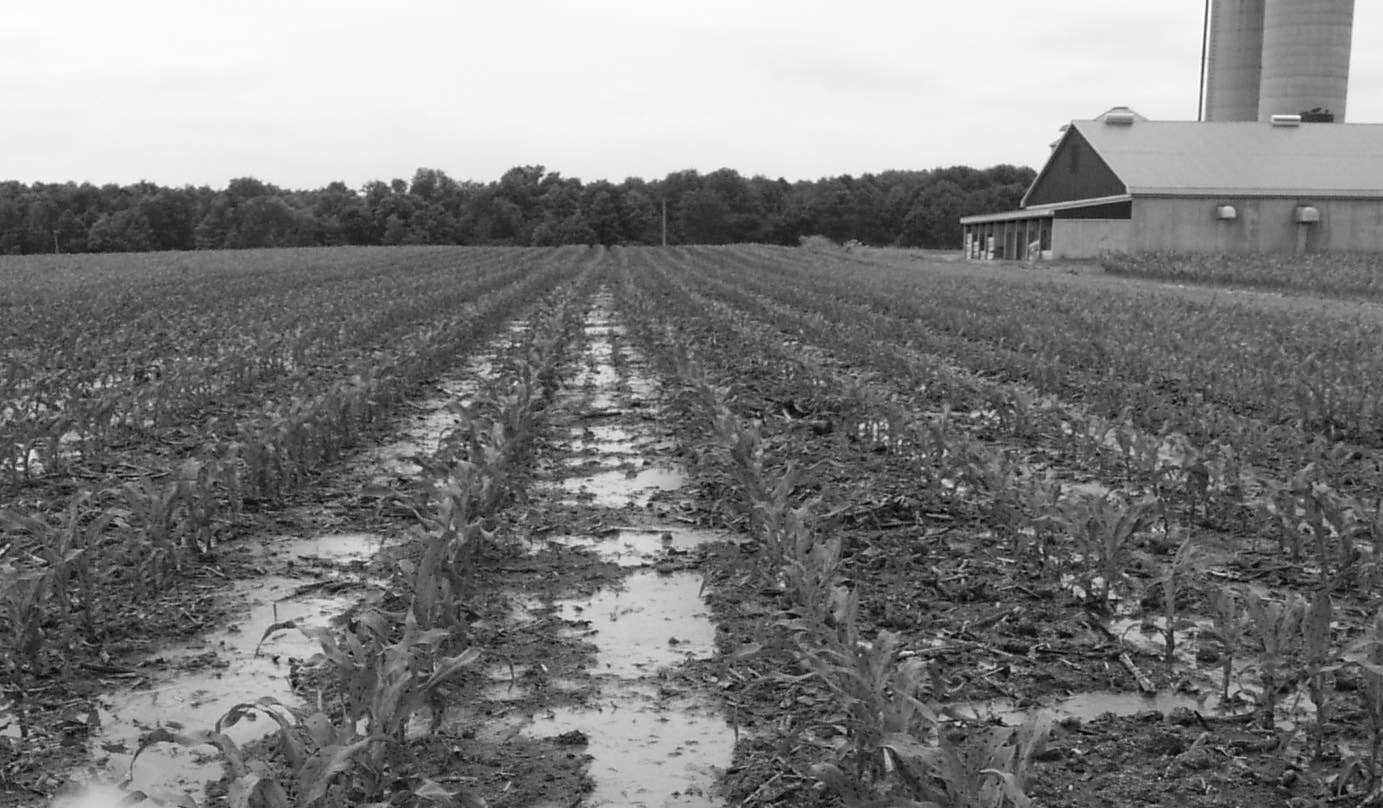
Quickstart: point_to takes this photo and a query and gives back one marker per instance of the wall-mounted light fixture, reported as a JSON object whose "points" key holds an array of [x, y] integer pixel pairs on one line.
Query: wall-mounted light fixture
{"points": [[1307, 214], [1226, 213]]}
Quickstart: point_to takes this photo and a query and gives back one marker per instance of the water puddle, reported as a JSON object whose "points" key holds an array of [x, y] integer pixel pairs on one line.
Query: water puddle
{"points": [[433, 418], [1084, 706], [505, 684], [193, 685], [646, 749], [637, 547], [9, 723], [1293, 711], [651, 742], [1145, 635], [652, 621], [650, 746], [623, 489], [604, 439]]}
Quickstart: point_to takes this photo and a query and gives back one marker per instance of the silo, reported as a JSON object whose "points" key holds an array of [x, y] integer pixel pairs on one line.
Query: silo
{"points": [[1233, 60], [1306, 58]]}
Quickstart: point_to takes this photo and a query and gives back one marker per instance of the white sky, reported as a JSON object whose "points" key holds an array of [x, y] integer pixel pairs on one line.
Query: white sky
{"points": [[303, 92]]}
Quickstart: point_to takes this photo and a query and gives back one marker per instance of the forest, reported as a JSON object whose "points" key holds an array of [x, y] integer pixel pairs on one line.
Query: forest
{"points": [[527, 205]]}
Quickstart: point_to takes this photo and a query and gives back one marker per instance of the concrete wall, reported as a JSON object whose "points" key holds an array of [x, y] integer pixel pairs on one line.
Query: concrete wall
{"points": [[1087, 238], [1263, 225]]}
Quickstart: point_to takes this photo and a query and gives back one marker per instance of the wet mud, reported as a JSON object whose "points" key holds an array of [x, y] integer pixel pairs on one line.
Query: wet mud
{"points": [[191, 686]]}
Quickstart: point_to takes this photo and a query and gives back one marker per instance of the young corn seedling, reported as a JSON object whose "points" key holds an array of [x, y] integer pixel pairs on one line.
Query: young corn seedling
{"points": [[1140, 450], [23, 595], [330, 764], [450, 534], [251, 781], [1276, 628], [1172, 582], [1105, 531], [1315, 635], [992, 772], [66, 550], [1000, 479], [1366, 656], [383, 682], [1295, 507], [1227, 612], [877, 689], [152, 513]]}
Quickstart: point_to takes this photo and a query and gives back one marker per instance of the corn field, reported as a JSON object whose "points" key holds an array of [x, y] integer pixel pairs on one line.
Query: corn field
{"points": [[958, 535]]}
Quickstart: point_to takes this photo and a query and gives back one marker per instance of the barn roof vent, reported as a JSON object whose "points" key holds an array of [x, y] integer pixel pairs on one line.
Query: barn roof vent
{"points": [[1286, 120], [1120, 118]]}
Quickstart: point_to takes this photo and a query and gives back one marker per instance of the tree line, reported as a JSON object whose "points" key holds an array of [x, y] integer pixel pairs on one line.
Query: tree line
{"points": [[528, 205]]}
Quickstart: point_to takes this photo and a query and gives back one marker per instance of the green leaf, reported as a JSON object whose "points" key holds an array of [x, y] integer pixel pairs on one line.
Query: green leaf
{"points": [[274, 628], [228, 749], [1009, 784], [315, 777], [320, 729], [449, 666]]}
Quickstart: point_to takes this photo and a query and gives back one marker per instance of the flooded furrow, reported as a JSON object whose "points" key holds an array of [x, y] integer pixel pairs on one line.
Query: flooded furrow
{"points": [[651, 739], [188, 688], [191, 686]]}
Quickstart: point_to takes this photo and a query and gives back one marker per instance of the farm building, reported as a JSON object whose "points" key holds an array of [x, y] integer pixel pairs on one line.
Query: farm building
{"points": [[1121, 182], [1271, 168]]}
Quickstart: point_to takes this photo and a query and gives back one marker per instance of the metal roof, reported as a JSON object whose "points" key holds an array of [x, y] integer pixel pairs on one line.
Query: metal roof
{"points": [[1041, 211], [1189, 158]]}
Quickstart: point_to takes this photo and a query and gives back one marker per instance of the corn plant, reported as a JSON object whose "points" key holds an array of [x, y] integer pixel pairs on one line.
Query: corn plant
{"points": [[1139, 450], [328, 763], [23, 594], [1365, 655], [64, 553], [383, 681], [991, 772], [1106, 530], [1315, 637], [805, 565], [1298, 506], [1276, 630], [1231, 622], [151, 509], [875, 687], [452, 529], [1000, 478], [1171, 582]]}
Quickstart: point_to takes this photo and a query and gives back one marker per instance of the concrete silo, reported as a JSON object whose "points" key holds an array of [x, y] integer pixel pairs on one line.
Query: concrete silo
{"points": [[1234, 60], [1306, 58]]}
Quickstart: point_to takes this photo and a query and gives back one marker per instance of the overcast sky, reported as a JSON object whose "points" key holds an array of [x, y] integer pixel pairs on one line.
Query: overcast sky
{"points": [[302, 92]]}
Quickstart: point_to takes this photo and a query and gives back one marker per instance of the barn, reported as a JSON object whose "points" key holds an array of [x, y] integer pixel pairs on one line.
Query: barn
{"points": [[1120, 182]]}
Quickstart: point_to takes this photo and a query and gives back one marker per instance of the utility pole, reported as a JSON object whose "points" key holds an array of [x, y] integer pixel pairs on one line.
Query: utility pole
{"points": [[1205, 55], [664, 221]]}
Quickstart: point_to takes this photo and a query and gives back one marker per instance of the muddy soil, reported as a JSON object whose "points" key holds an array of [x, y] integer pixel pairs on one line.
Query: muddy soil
{"points": [[594, 686], [612, 605]]}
